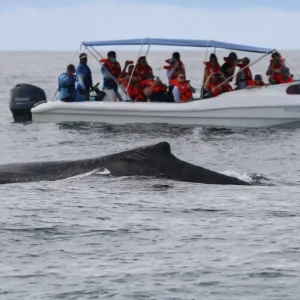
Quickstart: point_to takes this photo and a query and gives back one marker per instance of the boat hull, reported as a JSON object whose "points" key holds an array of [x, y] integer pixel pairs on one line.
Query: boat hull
{"points": [[255, 108]]}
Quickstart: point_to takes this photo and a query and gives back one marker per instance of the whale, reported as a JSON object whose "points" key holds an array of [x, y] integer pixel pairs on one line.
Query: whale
{"points": [[154, 160]]}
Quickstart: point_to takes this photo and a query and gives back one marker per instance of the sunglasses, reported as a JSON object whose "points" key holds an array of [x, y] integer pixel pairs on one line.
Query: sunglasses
{"points": [[182, 77]]}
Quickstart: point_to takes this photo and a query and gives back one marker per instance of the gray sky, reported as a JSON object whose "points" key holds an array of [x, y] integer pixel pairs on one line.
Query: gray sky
{"points": [[50, 25]]}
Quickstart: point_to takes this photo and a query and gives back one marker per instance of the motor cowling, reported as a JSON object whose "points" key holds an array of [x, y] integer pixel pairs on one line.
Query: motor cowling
{"points": [[23, 98]]}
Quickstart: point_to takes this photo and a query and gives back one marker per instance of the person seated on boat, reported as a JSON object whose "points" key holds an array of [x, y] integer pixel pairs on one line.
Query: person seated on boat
{"points": [[142, 68], [154, 90], [133, 87], [285, 77], [244, 75], [213, 85], [111, 71], [256, 83], [228, 68], [226, 87], [211, 66], [66, 85], [84, 80], [182, 91], [276, 64]]}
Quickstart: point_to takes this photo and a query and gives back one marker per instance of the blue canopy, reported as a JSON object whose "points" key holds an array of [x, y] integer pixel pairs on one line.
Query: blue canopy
{"points": [[180, 43]]}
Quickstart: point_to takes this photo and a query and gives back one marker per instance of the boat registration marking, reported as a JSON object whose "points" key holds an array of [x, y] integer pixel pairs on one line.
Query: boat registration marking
{"points": [[295, 109]]}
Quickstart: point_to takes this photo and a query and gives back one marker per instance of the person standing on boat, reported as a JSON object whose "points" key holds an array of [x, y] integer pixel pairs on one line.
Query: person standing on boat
{"points": [[142, 68], [111, 71], [182, 91], [228, 68], [274, 69], [84, 79], [211, 66], [175, 66], [66, 85], [244, 76], [179, 67]]}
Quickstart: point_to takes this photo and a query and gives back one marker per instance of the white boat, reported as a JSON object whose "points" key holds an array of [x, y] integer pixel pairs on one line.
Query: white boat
{"points": [[264, 107], [273, 105]]}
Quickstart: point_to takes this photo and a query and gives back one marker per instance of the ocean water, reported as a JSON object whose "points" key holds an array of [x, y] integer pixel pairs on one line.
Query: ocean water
{"points": [[98, 237]]}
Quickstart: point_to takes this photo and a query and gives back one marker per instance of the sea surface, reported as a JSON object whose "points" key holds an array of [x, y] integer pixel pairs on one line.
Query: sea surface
{"points": [[99, 237]]}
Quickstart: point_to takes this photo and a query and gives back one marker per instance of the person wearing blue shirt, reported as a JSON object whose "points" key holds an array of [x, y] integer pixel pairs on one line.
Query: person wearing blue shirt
{"points": [[66, 85], [84, 78]]}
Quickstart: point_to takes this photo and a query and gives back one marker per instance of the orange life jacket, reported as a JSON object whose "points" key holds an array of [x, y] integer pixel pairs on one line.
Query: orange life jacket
{"points": [[141, 72], [290, 79], [125, 81], [247, 72], [277, 76], [132, 90], [185, 91], [217, 89], [113, 68], [226, 87], [210, 69], [157, 89], [253, 83]]}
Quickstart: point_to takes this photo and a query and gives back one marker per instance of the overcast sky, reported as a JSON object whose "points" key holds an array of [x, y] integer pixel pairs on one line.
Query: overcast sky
{"points": [[51, 25]]}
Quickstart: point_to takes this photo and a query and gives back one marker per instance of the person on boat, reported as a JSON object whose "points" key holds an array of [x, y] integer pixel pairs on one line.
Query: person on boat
{"points": [[176, 56], [133, 87], [175, 65], [142, 68], [111, 71], [244, 76], [274, 69], [84, 79], [154, 90], [285, 76], [228, 68], [211, 66], [182, 91], [66, 85], [225, 86], [213, 85], [256, 83]]}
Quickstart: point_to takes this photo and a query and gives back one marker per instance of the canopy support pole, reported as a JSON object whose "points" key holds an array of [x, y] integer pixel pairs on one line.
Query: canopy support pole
{"points": [[148, 50], [205, 60]]}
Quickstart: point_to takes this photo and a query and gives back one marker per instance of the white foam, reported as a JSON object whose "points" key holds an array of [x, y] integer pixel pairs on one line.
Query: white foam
{"points": [[243, 177]]}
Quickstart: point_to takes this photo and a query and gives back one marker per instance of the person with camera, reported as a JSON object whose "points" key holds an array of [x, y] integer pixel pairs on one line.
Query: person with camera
{"points": [[228, 68], [154, 89]]}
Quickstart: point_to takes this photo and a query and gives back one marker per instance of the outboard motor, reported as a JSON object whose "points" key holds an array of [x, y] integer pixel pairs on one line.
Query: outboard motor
{"points": [[23, 97]]}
